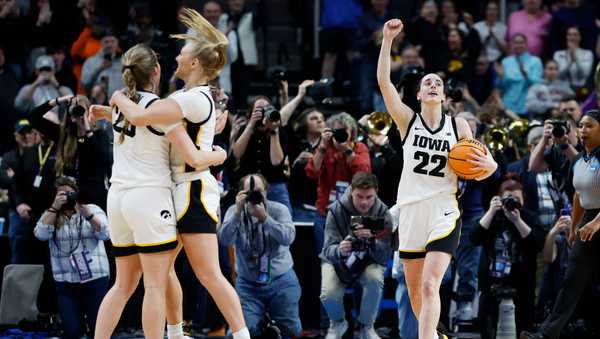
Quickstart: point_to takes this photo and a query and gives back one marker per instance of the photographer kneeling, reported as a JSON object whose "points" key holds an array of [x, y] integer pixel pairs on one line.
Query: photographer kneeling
{"points": [[357, 246], [262, 231], [75, 235], [511, 241]]}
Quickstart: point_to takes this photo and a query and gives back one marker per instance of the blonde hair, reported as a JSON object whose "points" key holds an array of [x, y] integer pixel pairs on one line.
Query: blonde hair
{"points": [[209, 45], [67, 139], [138, 64]]}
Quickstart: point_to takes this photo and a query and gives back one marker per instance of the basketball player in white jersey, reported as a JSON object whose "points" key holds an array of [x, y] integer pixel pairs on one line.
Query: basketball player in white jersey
{"points": [[196, 194], [140, 204], [427, 191]]}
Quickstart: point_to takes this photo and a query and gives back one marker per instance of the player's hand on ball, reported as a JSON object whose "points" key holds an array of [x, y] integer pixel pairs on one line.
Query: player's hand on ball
{"points": [[483, 161]]}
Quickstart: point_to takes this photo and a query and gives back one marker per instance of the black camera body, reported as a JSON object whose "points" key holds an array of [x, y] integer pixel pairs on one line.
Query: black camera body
{"points": [[270, 113], [77, 111], [359, 245], [340, 135], [372, 223], [454, 90], [511, 203], [72, 197], [254, 196], [560, 128]]}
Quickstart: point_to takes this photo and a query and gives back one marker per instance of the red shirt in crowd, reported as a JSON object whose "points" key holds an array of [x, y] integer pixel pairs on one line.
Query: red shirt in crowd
{"points": [[335, 168]]}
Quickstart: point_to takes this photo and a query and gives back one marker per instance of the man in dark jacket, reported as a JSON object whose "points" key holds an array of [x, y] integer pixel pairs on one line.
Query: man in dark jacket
{"points": [[357, 246]]}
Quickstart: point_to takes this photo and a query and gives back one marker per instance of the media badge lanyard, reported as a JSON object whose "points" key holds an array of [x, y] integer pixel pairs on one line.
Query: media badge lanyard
{"points": [[258, 252], [42, 160], [79, 260]]}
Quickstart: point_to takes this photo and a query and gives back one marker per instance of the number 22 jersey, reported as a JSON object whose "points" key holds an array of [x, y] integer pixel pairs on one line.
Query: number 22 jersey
{"points": [[426, 172]]}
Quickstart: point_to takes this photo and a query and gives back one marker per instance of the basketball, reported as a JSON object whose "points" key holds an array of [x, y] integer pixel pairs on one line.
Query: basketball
{"points": [[459, 154]]}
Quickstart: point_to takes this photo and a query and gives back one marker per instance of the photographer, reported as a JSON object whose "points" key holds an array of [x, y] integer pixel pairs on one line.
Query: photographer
{"points": [[261, 147], [337, 159], [104, 67], [357, 247], [81, 152], [75, 234], [511, 241], [45, 87], [560, 135], [262, 231]]}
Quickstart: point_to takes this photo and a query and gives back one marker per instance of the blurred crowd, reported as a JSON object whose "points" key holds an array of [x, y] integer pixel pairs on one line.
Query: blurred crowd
{"points": [[316, 144]]}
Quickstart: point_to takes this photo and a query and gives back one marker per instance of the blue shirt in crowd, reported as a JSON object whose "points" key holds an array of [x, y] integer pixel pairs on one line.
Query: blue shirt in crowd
{"points": [[514, 85]]}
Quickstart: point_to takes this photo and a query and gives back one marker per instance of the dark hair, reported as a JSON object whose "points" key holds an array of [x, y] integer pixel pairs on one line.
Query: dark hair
{"points": [[256, 175], [65, 180], [593, 113], [300, 122], [510, 182], [568, 98], [253, 103], [364, 181]]}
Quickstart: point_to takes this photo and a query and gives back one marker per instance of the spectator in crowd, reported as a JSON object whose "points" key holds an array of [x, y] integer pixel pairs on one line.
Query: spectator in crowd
{"points": [[14, 46], [104, 67], [492, 32], [242, 21], [261, 147], [517, 73], [75, 234], [545, 96], [31, 193], [583, 238], [24, 137], [288, 109], [10, 88], [555, 152], [46, 25], [426, 34], [574, 63], [533, 23], [336, 160], [509, 236], [569, 107], [339, 23], [213, 12], [262, 231], [309, 127], [367, 43], [537, 186], [88, 42], [45, 87], [574, 13], [81, 152], [468, 253], [64, 69], [482, 81], [556, 258], [355, 252], [461, 57]]}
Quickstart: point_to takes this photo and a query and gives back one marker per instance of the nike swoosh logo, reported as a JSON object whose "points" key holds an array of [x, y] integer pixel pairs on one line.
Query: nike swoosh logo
{"points": [[418, 129], [448, 213]]}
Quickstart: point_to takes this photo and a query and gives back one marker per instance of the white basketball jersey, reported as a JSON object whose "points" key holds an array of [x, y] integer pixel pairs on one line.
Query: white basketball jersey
{"points": [[143, 157], [198, 111], [426, 172]]}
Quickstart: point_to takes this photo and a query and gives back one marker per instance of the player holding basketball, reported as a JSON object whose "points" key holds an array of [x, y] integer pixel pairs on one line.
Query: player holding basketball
{"points": [[427, 191]]}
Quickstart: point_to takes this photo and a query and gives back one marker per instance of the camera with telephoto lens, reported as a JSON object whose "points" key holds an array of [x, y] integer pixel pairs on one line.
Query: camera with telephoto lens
{"points": [[340, 135], [270, 113], [69, 205], [511, 203], [77, 111], [560, 128], [254, 196]]}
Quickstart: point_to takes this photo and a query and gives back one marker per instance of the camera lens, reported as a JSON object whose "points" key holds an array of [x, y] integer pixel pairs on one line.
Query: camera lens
{"points": [[271, 113], [78, 111], [558, 131], [340, 135]]}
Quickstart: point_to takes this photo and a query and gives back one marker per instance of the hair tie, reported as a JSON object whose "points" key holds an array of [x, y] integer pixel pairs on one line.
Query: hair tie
{"points": [[129, 67]]}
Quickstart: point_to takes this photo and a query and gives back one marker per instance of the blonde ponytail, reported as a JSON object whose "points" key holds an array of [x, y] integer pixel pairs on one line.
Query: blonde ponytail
{"points": [[209, 44], [138, 64]]}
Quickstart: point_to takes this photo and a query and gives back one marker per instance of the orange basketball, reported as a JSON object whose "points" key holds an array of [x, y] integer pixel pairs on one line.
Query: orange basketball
{"points": [[457, 158]]}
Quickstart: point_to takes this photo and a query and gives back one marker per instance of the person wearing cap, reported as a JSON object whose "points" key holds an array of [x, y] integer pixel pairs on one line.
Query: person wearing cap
{"points": [[44, 88], [104, 68]]}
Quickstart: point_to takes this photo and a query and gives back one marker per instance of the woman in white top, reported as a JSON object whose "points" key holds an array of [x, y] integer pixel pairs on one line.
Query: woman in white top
{"points": [[492, 32], [196, 193], [574, 63], [143, 230], [429, 215]]}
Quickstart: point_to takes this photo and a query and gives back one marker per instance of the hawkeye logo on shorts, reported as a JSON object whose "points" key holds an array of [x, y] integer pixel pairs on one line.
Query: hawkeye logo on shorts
{"points": [[165, 215]]}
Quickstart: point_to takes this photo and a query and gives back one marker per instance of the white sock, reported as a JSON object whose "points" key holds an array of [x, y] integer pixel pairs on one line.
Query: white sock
{"points": [[242, 334], [175, 331]]}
